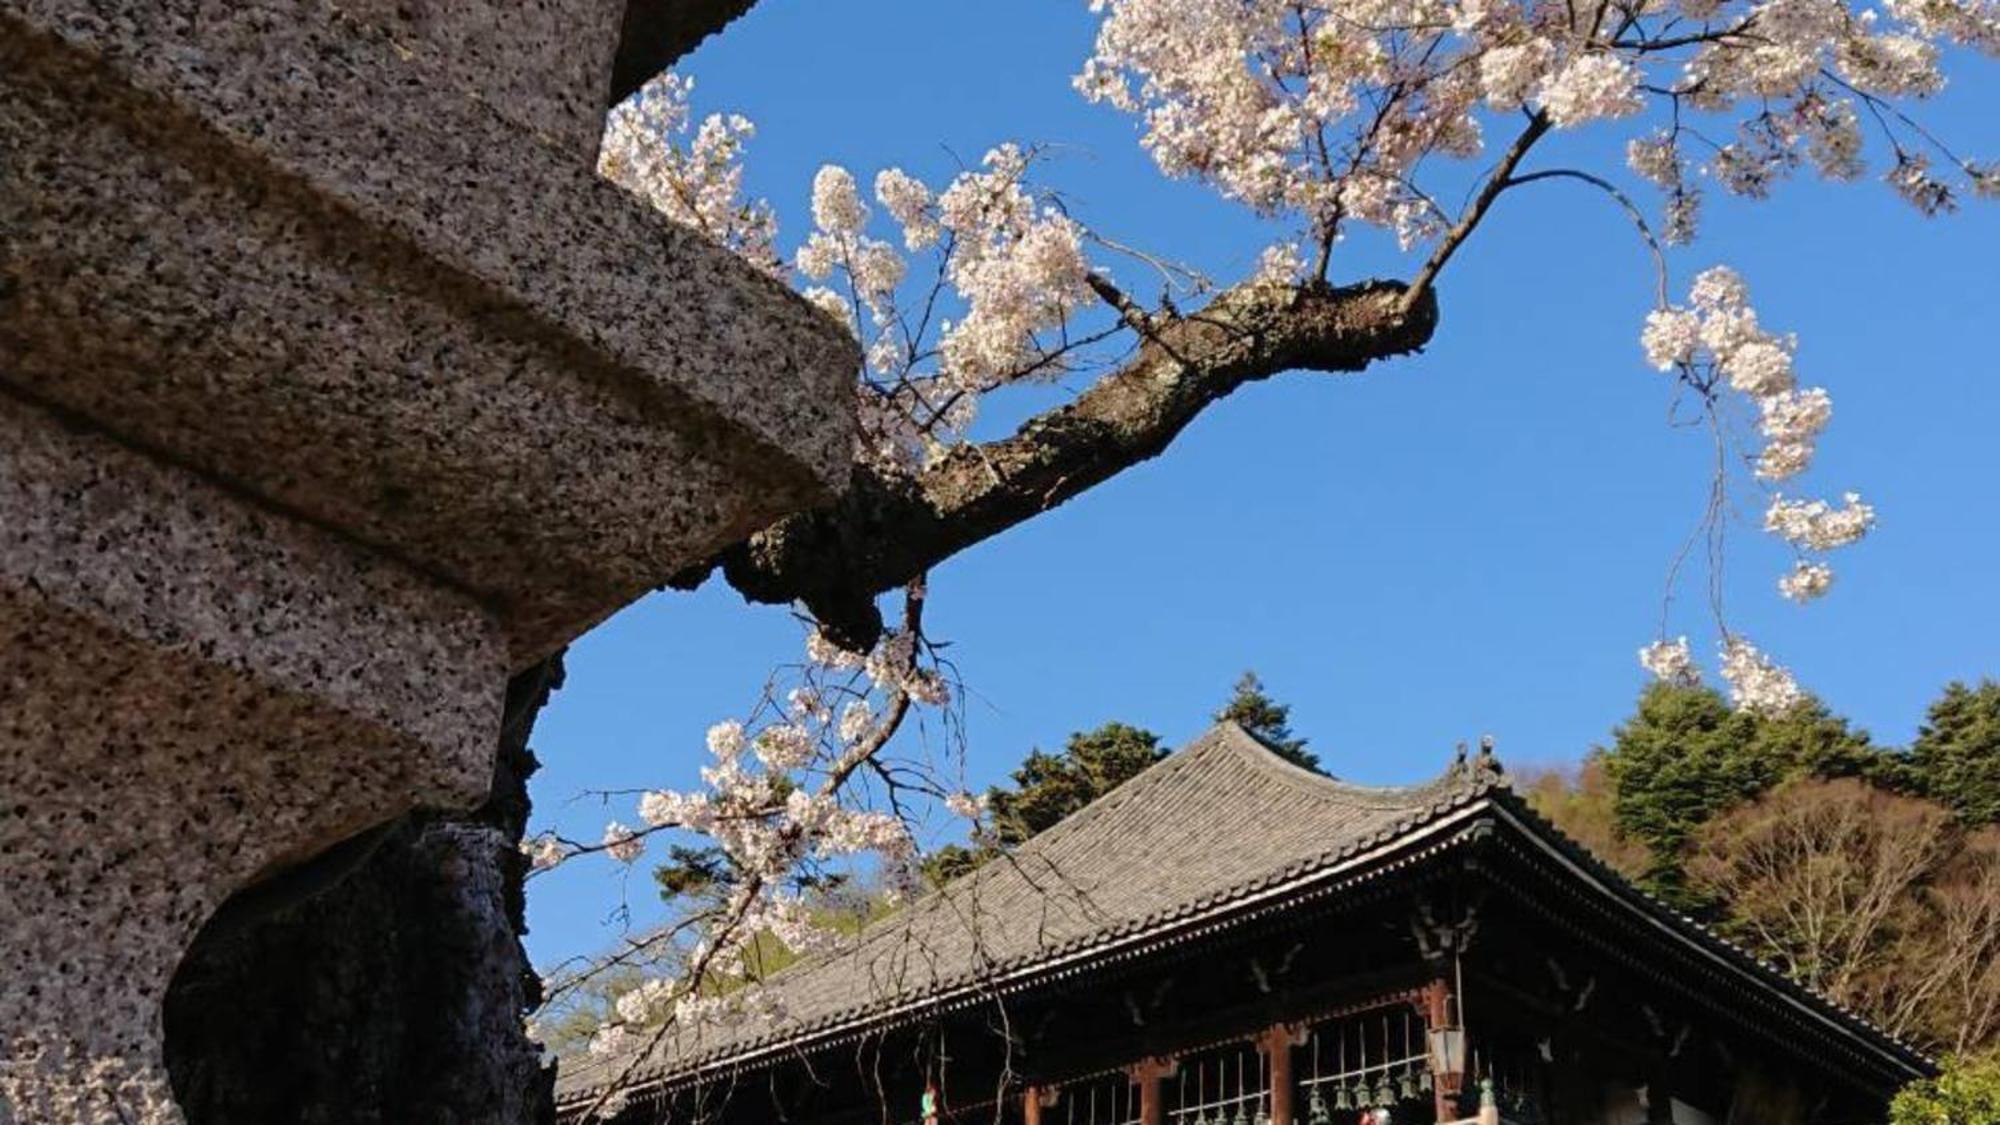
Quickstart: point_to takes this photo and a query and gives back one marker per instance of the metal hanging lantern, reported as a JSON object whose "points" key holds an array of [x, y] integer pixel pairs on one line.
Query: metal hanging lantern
{"points": [[1242, 1112], [1384, 1094], [1408, 1085], [1341, 1099], [1316, 1111], [1263, 1114]]}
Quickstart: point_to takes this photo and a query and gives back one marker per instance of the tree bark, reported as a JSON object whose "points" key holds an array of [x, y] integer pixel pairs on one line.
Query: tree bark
{"points": [[383, 984], [888, 528]]}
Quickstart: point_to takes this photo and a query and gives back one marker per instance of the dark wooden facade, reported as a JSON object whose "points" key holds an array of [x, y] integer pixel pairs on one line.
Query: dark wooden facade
{"points": [[1313, 998]]}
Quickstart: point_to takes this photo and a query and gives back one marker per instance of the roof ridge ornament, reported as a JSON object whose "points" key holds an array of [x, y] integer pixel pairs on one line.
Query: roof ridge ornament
{"points": [[1488, 762]]}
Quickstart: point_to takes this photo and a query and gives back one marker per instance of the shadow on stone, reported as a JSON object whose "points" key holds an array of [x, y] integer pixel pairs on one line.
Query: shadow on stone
{"points": [[385, 986]]}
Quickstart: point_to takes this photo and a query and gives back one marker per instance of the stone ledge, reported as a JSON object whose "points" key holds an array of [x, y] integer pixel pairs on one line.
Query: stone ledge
{"points": [[260, 241], [95, 533], [197, 692]]}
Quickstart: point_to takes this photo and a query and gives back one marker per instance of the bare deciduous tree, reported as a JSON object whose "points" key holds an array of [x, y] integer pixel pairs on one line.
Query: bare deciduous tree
{"points": [[1872, 897]]}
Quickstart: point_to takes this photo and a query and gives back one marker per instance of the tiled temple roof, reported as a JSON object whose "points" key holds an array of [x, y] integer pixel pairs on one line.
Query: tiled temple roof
{"points": [[1222, 824], [1074, 889]]}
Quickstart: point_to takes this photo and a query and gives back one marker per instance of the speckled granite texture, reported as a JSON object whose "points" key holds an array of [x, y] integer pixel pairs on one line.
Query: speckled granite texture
{"points": [[271, 240], [196, 691], [334, 386]]}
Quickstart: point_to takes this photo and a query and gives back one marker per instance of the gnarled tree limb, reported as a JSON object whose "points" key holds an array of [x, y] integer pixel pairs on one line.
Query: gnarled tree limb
{"points": [[888, 529]]}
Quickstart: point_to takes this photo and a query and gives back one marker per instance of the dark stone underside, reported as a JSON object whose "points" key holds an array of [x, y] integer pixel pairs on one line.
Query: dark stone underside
{"points": [[656, 32], [384, 986]]}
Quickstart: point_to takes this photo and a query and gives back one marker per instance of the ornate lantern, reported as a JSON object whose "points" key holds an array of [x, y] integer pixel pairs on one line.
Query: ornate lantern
{"points": [[1448, 1056]]}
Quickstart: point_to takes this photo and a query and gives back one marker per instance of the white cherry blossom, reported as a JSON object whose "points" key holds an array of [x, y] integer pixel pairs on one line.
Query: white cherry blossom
{"points": [[1756, 683], [622, 844], [1671, 662]]}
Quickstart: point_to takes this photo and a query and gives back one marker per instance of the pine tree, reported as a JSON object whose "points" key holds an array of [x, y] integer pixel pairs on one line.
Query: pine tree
{"points": [[1048, 788], [1955, 759], [1269, 720], [1684, 756]]}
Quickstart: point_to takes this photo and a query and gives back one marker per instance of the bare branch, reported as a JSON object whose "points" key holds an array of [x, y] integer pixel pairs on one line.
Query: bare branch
{"points": [[1499, 181]]}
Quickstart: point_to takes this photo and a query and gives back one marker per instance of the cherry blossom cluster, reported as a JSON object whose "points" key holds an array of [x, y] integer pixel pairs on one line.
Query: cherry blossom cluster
{"points": [[779, 798], [1716, 346], [1327, 109], [1756, 683], [1015, 271], [694, 180], [1715, 342], [1671, 662]]}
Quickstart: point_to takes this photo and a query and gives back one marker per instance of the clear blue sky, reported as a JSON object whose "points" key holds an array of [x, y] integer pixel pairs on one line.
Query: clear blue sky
{"points": [[1470, 541]]}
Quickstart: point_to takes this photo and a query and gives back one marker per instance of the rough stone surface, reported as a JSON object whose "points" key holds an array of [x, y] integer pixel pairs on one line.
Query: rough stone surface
{"points": [[334, 385], [269, 241], [392, 997], [197, 692], [541, 65]]}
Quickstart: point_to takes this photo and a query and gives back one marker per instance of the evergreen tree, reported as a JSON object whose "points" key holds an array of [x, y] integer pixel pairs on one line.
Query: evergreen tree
{"points": [[1049, 787], [1955, 759], [1685, 756], [1269, 720]]}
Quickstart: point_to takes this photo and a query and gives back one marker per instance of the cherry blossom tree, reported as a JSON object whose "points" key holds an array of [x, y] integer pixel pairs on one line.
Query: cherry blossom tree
{"points": [[1326, 117]]}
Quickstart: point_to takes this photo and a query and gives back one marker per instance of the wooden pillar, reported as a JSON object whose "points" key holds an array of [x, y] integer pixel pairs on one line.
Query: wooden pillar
{"points": [[1147, 1075], [1277, 1044]]}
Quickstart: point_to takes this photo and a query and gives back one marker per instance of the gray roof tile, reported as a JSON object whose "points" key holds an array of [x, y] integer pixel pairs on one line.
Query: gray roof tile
{"points": [[1076, 886]]}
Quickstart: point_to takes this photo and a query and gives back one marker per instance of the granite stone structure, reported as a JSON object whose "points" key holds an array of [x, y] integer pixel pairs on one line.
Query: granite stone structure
{"points": [[334, 387]]}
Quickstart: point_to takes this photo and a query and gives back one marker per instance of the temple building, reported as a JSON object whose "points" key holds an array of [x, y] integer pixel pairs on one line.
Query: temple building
{"points": [[1228, 939]]}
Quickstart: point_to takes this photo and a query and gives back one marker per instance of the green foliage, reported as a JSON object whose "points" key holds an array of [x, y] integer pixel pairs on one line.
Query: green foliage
{"points": [[1582, 803], [845, 914], [1955, 759], [1047, 788], [565, 1027], [1269, 720], [1685, 756], [1966, 1093], [1760, 822], [953, 860], [692, 872]]}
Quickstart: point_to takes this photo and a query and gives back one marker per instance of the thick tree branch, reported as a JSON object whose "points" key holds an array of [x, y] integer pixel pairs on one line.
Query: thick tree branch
{"points": [[889, 529]]}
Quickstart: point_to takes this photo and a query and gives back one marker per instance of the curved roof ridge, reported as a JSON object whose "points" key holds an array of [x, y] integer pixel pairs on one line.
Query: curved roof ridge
{"points": [[1260, 754]]}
